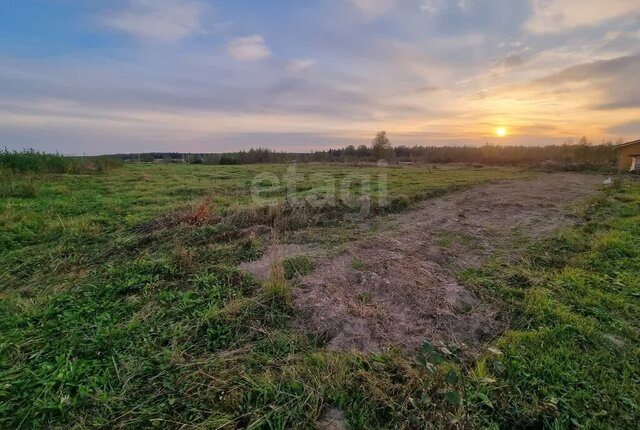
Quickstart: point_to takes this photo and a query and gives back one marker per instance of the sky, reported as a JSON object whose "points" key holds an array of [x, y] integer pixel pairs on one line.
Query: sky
{"points": [[114, 76]]}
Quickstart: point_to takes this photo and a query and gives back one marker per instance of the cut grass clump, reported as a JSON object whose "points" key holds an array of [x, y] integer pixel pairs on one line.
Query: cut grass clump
{"points": [[275, 286], [297, 266]]}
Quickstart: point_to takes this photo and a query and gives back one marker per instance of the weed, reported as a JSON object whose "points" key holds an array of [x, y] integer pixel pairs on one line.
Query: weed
{"points": [[297, 266], [357, 264], [276, 284], [364, 298], [445, 239]]}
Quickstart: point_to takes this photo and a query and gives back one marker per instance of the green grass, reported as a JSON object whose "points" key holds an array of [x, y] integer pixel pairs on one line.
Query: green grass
{"points": [[572, 357], [357, 264], [104, 323], [299, 265]]}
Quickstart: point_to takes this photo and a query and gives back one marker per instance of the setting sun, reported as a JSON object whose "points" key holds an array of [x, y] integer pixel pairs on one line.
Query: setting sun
{"points": [[501, 131]]}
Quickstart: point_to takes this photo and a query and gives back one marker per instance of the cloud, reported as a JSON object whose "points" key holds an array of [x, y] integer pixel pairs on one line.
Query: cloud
{"points": [[300, 65], [250, 48], [511, 61], [445, 77], [602, 85], [620, 67], [584, 99], [556, 16], [163, 20], [432, 7], [629, 129], [372, 9], [464, 4], [427, 89]]}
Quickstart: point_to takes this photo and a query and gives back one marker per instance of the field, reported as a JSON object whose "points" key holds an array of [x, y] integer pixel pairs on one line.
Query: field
{"points": [[138, 297]]}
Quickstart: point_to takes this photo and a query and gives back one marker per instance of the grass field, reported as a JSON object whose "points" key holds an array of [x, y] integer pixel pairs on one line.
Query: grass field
{"points": [[114, 315]]}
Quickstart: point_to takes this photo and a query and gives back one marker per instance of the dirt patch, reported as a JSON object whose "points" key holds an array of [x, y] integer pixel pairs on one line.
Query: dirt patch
{"points": [[399, 288], [333, 419]]}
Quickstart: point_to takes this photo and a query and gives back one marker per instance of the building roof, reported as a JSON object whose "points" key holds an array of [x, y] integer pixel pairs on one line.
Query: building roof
{"points": [[622, 145]]}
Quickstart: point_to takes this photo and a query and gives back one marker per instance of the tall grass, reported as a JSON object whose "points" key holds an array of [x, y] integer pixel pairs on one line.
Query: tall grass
{"points": [[276, 285], [16, 185], [32, 161]]}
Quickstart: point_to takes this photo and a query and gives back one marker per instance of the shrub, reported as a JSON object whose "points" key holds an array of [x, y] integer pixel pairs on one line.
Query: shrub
{"points": [[33, 161], [41, 162], [397, 204]]}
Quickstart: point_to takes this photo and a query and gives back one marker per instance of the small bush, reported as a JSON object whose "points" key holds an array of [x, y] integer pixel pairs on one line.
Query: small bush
{"points": [[398, 204]]}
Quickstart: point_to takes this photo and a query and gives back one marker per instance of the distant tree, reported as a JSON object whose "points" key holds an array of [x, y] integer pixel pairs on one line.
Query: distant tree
{"points": [[402, 152], [363, 151], [229, 159], [350, 151], [381, 146]]}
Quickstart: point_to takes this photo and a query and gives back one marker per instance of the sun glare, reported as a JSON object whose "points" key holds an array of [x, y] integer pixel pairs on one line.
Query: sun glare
{"points": [[501, 131]]}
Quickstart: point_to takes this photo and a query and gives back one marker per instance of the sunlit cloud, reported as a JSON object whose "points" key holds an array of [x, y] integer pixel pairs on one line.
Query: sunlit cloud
{"points": [[554, 16]]}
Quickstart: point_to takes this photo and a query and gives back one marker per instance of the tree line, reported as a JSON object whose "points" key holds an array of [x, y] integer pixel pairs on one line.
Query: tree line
{"points": [[570, 155]]}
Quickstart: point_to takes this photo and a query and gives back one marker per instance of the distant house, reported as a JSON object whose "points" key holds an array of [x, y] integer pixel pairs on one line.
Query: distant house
{"points": [[629, 156]]}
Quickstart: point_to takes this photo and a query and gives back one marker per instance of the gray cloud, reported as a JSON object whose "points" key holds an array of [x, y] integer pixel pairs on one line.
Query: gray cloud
{"points": [[627, 129], [597, 70], [613, 80], [512, 60], [427, 89]]}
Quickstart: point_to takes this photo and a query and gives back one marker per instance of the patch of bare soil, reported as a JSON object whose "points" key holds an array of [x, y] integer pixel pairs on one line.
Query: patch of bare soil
{"points": [[399, 288], [332, 419]]}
